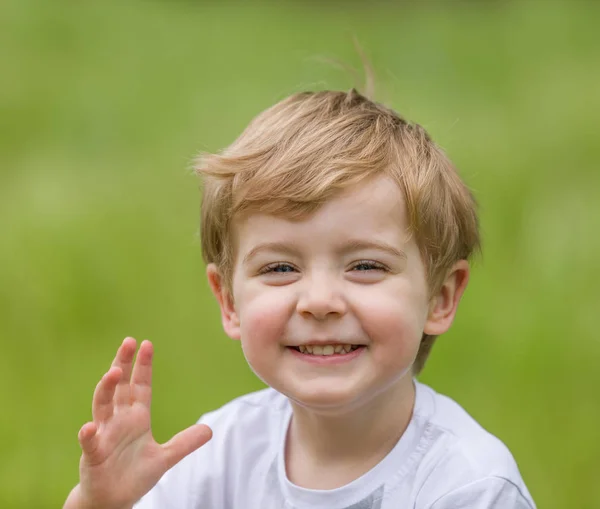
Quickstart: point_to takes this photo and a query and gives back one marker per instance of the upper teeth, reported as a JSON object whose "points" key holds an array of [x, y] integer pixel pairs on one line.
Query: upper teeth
{"points": [[327, 349]]}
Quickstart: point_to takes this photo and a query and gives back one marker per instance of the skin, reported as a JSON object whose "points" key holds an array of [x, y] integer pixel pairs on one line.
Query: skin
{"points": [[120, 459], [312, 285], [297, 282]]}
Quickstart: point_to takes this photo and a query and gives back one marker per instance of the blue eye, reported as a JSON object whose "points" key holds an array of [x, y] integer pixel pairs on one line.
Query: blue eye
{"points": [[278, 267], [368, 265]]}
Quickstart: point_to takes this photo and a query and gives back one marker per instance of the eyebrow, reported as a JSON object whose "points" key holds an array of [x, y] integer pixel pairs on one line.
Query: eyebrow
{"points": [[352, 245], [359, 244], [280, 247]]}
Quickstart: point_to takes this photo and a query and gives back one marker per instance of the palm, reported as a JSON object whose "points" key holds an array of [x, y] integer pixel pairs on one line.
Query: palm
{"points": [[121, 461]]}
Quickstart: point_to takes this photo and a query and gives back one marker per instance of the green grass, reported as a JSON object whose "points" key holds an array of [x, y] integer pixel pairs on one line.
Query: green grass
{"points": [[104, 104]]}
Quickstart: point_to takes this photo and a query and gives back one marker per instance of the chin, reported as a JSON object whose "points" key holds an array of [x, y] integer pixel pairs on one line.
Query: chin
{"points": [[324, 399]]}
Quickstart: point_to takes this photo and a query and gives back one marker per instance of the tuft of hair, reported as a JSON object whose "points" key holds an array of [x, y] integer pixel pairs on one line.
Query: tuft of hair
{"points": [[304, 150]]}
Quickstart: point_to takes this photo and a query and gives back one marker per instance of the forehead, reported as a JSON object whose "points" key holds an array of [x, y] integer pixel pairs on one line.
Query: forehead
{"points": [[371, 209]]}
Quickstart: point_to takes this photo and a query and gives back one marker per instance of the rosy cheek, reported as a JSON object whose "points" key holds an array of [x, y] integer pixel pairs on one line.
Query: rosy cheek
{"points": [[264, 318], [394, 323]]}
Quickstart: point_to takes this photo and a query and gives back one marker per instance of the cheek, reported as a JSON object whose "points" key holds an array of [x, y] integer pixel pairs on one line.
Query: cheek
{"points": [[395, 324], [263, 318]]}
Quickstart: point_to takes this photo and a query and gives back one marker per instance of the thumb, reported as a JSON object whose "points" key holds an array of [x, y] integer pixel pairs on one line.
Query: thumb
{"points": [[88, 438], [186, 442]]}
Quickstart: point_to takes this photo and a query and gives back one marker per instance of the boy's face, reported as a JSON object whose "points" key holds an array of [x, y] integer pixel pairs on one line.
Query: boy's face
{"points": [[347, 275]]}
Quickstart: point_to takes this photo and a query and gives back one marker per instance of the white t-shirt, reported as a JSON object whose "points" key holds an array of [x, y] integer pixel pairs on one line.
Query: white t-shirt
{"points": [[444, 460]]}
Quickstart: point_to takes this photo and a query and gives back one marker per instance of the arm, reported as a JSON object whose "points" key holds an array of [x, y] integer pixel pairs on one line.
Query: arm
{"points": [[120, 459], [487, 493]]}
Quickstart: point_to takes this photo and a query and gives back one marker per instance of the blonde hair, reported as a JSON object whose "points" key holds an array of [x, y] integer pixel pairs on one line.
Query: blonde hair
{"points": [[302, 151]]}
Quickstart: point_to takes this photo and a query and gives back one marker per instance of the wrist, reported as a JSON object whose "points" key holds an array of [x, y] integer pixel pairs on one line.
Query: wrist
{"points": [[76, 500]]}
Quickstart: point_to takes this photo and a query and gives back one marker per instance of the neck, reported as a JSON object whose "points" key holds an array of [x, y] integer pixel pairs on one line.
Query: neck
{"points": [[328, 450]]}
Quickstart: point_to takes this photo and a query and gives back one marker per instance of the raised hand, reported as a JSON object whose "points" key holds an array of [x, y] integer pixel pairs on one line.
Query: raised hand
{"points": [[121, 461]]}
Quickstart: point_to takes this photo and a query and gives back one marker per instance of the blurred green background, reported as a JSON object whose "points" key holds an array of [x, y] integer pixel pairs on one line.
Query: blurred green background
{"points": [[103, 106]]}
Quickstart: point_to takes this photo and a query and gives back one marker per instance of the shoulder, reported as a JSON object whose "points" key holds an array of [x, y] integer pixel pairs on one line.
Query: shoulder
{"points": [[458, 440], [462, 455], [246, 434]]}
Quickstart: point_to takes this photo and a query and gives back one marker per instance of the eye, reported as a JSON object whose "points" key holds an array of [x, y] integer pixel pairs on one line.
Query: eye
{"points": [[367, 265], [277, 268]]}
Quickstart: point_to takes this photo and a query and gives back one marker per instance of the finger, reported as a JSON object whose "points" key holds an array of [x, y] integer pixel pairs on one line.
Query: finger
{"points": [[88, 438], [102, 403], [141, 377], [124, 360], [186, 442]]}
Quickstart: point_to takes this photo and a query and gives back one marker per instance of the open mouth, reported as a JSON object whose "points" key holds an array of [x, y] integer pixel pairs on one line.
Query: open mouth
{"points": [[326, 350]]}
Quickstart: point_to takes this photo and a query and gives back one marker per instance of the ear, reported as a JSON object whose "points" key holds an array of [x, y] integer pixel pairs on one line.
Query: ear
{"points": [[229, 316], [444, 304]]}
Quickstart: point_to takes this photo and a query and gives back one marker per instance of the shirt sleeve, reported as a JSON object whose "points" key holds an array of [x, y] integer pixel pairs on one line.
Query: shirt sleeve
{"points": [[487, 493]]}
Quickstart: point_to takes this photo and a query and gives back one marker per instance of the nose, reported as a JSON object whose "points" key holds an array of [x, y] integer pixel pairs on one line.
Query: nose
{"points": [[321, 298]]}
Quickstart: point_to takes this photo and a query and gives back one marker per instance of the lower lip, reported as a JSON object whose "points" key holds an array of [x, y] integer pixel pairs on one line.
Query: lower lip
{"points": [[328, 360]]}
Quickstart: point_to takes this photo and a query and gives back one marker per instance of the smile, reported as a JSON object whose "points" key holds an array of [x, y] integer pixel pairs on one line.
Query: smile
{"points": [[341, 349], [327, 355]]}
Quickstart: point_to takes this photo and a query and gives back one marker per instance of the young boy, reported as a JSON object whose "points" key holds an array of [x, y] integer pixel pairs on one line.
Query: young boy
{"points": [[336, 236]]}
